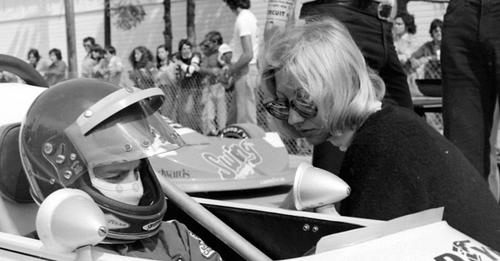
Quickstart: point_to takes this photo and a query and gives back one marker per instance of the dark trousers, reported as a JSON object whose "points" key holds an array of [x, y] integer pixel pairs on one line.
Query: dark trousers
{"points": [[470, 56], [373, 36]]}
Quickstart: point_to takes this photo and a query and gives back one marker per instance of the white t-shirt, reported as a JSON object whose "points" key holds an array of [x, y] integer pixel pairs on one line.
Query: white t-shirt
{"points": [[246, 24]]}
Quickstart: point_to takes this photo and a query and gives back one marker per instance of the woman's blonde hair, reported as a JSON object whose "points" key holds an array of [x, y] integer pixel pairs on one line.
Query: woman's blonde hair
{"points": [[323, 58]]}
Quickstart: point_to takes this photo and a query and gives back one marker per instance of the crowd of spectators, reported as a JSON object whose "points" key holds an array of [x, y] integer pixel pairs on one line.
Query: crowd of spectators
{"points": [[54, 69], [195, 83], [419, 62]]}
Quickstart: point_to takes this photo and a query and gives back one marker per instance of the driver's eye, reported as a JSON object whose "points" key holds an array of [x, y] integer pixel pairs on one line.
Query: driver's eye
{"points": [[115, 177]]}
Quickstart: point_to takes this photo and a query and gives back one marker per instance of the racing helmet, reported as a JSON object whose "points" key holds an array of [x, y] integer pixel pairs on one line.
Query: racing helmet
{"points": [[79, 125]]}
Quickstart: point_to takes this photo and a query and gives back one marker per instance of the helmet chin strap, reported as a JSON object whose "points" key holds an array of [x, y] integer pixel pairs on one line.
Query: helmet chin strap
{"points": [[128, 193]]}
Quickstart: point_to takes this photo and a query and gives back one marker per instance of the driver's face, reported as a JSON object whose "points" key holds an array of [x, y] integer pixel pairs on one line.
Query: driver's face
{"points": [[118, 173]]}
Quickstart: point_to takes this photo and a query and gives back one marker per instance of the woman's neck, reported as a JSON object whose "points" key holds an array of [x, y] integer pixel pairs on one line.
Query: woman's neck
{"points": [[343, 140]]}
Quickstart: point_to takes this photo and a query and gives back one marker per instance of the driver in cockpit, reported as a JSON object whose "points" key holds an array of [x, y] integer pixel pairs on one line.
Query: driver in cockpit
{"points": [[97, 137]]}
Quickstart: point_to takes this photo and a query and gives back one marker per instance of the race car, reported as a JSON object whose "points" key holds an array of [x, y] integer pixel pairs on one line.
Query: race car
{"points": [[69, 223], [243, 157]]}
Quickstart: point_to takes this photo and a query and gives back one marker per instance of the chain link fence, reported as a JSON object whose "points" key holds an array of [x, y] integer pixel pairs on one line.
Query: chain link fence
{"points": [[431, 70], [194, 103]]}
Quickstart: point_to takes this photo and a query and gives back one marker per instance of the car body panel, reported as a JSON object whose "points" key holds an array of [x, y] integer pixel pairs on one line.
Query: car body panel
{"points": [[207, 164]]}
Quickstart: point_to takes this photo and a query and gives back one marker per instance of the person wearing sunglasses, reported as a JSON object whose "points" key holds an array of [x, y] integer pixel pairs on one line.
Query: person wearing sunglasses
{"points": [[317, 85], [369, 22]]}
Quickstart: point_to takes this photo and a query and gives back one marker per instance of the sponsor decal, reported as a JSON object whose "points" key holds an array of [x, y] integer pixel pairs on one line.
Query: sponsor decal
{"points": [[239, 132], [237, 160], [278, 12], [152, 226], [175, 174], [205, 250], [115, 223], [465, 250]]}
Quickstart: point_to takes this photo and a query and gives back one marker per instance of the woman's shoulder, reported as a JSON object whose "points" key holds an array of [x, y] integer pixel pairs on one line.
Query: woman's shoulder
{"points": [[393, 125], [389, 117], [398, 132]]}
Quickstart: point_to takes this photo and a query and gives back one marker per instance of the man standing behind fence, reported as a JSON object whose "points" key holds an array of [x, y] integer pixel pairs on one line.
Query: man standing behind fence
{"points": [[244, 43], [88, 62], [213, 98]]}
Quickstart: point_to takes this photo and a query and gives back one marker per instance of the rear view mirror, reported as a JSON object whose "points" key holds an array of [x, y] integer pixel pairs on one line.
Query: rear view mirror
{"points": [[69, 219]]}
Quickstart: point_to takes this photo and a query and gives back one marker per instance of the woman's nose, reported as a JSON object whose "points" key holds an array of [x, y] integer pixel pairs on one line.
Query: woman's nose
{"points": [[294, 117]]}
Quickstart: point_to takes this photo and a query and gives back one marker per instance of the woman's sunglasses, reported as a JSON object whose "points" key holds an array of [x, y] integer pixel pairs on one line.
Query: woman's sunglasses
{"points": [[303, 105]]}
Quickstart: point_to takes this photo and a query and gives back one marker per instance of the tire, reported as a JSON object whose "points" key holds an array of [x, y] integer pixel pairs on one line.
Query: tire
{"points": [[242, 131]]}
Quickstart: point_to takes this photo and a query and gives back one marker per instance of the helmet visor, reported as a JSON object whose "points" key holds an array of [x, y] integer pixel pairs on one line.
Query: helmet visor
{"points": [[133, 133]]}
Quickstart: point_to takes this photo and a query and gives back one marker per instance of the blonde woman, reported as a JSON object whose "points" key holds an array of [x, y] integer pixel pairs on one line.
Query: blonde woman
{"points": [[317, 86]]}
